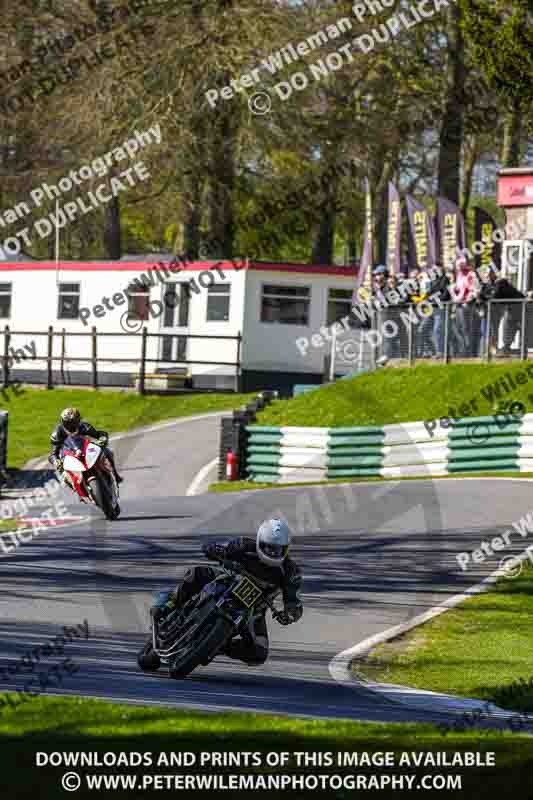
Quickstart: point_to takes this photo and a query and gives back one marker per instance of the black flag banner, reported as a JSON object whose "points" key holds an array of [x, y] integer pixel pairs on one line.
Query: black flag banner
{"points": [[487, 250], [450, 232], [422, 250], [365, 267], [394, 230]]}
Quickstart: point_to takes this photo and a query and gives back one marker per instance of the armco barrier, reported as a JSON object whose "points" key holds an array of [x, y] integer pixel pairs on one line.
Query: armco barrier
{"points": [[500, 442]]}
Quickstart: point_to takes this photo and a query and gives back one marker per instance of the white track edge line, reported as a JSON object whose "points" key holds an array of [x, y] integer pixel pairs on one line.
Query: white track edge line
{"points": [[339, 666], [200, 477]]}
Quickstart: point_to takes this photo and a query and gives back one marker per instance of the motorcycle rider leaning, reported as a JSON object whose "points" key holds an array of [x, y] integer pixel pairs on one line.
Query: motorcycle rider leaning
{"points": [[265, 558], [71, 423]]}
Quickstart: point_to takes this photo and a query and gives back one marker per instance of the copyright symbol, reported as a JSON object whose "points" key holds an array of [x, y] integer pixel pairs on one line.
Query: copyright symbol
{"points": [[478, 438], [130, 322], [71, 781], [511, 566], [347, 351], [260, 103], [517, 409], [204, 252]]}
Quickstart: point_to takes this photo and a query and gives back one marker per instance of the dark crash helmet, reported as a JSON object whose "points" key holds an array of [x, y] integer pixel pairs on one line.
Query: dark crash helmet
{"points": [[70, 419]]}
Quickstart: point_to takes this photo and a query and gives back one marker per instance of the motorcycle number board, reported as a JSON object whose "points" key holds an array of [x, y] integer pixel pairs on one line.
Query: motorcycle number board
{"points": [[247, 592], [93, 451]]}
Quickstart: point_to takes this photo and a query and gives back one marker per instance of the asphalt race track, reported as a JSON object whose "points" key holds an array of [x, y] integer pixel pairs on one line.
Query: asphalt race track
{"points": [[374, 555]]}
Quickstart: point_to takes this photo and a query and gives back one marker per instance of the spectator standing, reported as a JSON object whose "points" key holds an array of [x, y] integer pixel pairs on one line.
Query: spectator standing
{"points": [[486, 294], [439, 287], [456, 343], [465, 292], [420, 288], [500, 289], [394, 346], [379, 285], [380, 278], [425, 326]]}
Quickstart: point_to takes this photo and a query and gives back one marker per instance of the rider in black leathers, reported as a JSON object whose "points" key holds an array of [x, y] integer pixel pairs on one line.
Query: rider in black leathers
{"points": [[70, 424], [266, 559]]}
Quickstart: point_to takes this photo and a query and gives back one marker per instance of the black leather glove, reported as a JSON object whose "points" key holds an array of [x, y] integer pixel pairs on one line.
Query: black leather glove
{"points": [[232, 549], [213, 551], [294, 612]]}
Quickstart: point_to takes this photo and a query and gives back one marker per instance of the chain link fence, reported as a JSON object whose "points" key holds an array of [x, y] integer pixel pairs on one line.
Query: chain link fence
{"points": [[411, 333]]}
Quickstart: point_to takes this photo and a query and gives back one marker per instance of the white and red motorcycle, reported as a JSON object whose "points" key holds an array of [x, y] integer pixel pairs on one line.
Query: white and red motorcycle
{"points": [[91, 474]]}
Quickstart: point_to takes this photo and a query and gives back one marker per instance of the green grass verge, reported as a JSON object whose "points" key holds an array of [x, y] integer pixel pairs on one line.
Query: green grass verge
{"points": [[74, 725], [481, 649], [8, 525], [244, 486], [33, 414], [387, 396]]}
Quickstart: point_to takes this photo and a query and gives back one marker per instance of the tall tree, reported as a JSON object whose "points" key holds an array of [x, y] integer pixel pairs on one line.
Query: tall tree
{"points": [[500, 37], [452, 127]]}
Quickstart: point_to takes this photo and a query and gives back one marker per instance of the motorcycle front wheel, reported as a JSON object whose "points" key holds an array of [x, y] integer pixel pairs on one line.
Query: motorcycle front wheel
{"points": [[147, 659], [102, 497], [204, 647]]}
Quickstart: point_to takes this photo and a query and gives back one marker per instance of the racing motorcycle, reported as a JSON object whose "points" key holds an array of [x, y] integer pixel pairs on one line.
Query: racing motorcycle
{"points": [[185, 638], [91, 474]]}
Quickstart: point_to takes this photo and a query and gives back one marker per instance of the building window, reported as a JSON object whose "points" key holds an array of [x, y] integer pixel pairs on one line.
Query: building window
{"points": [[183, 310], [138, 300], [69, 301], [5, 300], [339, 304], [218, 303], [288, 305], [176, 297], [170, 300]]}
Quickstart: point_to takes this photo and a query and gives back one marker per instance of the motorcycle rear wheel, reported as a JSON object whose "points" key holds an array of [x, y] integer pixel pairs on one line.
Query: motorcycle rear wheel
{"points": [[209, 645]]}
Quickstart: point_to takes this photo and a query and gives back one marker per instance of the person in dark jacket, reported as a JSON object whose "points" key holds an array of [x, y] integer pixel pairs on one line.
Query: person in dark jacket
{"points": [[439, 287], [495, 287], [266, 558], [70, 424]]}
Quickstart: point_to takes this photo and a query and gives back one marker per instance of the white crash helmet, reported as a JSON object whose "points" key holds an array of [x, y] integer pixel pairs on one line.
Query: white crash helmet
{"points": [[272, 543], [70, 420]]}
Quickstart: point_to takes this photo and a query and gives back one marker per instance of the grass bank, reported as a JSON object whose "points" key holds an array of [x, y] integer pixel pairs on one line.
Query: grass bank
{"points": [[33, 414], [244, 486], [481, 649], [90, 726], [387, 396]]}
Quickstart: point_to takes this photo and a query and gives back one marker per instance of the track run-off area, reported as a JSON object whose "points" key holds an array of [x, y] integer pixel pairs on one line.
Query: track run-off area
{"points": [[374, 555]]}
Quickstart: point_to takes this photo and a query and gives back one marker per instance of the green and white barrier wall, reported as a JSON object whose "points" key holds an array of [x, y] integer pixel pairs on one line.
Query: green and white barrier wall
{"points": [[500, 442]]}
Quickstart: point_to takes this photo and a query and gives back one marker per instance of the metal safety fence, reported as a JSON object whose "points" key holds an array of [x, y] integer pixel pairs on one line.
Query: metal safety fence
{"points": [[98, 359], [410, 333]]}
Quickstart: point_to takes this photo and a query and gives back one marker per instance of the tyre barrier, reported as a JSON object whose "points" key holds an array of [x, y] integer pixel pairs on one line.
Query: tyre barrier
{"points": [[501, 442], [234, 436]]}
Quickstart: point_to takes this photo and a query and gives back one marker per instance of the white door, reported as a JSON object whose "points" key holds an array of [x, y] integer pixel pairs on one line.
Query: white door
{"points": [[175, 323]]}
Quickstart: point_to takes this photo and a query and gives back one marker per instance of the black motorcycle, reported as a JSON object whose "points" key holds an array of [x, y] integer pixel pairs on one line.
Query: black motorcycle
{"points": [[184, 638]]}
